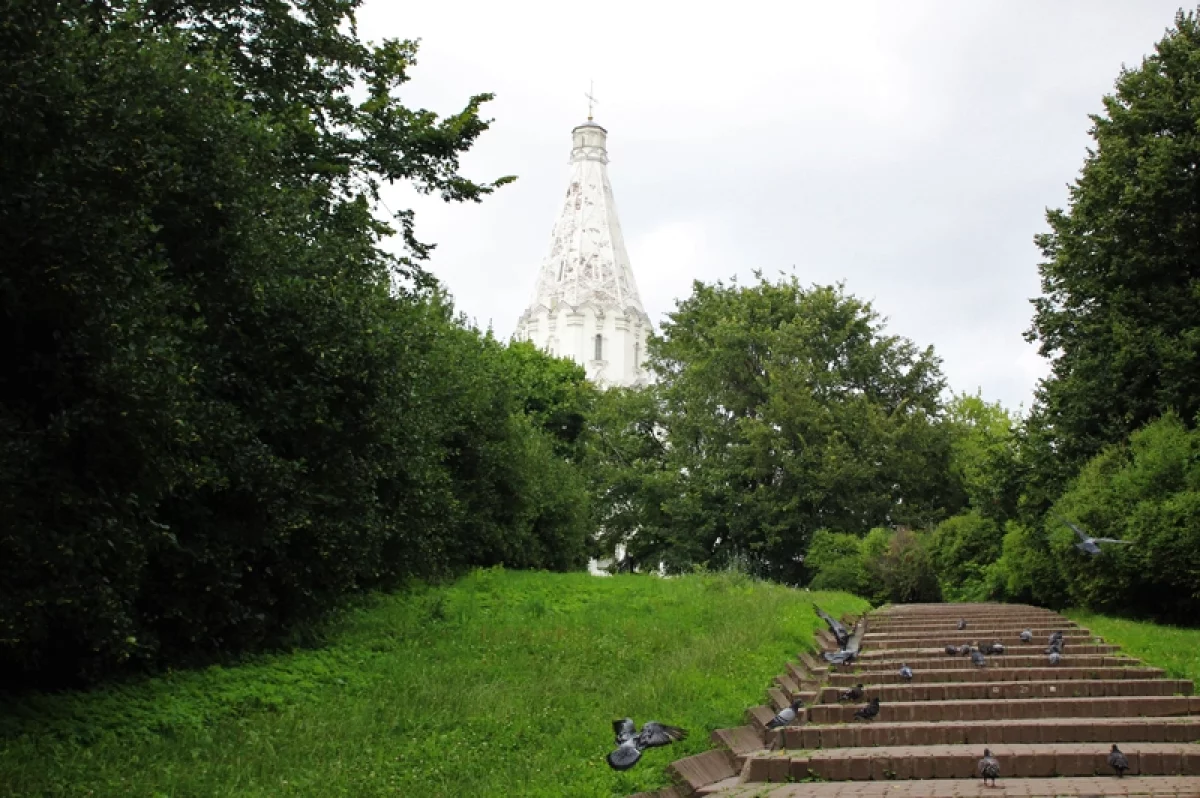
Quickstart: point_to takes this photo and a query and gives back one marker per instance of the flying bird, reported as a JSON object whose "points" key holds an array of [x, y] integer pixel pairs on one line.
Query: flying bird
{"points": [[631, 743], [1087, 544], [853, 694], [962, 624], [1027, 636], [1117, 761], [869, 711], [989, 767], [786, 715], [906, 673], [838, 630]]}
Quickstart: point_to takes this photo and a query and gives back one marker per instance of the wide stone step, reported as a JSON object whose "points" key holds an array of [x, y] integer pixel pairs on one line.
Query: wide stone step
{"points": [[1073, 787], [1011, 641], [992, 691], [961, 761], [901, 654], [1182, 729], [1040, 634], [1025, 621], [1014, 709], [995, 674]]}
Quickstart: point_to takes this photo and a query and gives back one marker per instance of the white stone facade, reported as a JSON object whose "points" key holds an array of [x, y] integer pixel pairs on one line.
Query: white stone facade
{"points": [[586, 304]]}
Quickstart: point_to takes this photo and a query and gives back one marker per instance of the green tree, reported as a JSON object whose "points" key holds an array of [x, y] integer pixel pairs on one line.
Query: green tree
{"points": [[787, 410], [1119, 313]]}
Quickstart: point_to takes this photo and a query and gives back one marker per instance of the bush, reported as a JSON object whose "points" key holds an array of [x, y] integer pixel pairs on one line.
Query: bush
{"points": [[962, 549]]}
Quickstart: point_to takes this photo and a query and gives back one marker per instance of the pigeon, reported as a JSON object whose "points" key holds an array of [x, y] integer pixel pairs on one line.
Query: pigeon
{"points": [[989, 767], [1055, 658], [786, 715], [977, 659], [1087, 544], [964, 651], [1027, 636], [951, 651], [962, 624], [1055, 636], [631, 743], [997, 648], [853, 694], [906, 672], [1117, 761], [869, 711], [839, 631]]}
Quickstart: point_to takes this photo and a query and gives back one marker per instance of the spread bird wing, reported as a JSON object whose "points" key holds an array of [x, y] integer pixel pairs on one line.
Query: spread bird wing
{"points": [[1082, 535], [624, 729], [855, 644], [1111, 540], [835, 627], [624, 757], [654, 734]]}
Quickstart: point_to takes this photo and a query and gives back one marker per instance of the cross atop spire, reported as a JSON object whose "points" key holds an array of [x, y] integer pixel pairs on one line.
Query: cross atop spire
{"points": [[590, 98]]}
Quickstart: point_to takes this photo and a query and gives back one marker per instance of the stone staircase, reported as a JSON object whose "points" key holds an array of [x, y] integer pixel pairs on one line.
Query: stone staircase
{"points": [[1051, 728]]}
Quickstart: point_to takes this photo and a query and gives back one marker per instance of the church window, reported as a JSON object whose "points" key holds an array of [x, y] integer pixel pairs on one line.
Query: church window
{"points": [[599, 347]]}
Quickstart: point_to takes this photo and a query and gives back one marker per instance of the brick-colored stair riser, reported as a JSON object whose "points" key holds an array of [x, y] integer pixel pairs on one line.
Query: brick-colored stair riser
{"points": [[904, 655], [960, 762], [963, 639], [1045, 731], [1067, 787], [999, 628], [985, 691], [701, 769], [993, 674], [1015, 709], [1032, 622]]}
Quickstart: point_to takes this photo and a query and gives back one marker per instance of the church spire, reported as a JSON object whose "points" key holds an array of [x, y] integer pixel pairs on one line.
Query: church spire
{"points": [[586, 304]]}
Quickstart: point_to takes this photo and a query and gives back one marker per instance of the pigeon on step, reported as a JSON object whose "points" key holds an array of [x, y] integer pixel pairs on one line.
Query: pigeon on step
{"points": [[1055, 658], [631, 743], [996, 648], [853, 694], [989, 767], [1027, 636], [951, 651], [1055, 636], [962, 624], [964, 650], [906, 672], [1117, 761], [786, 715], [977, 659], [869, 711]]}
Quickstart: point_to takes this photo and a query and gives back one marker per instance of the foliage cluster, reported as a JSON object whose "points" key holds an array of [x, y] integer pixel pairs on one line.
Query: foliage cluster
{"points": [[222, 404], [504, 683]]}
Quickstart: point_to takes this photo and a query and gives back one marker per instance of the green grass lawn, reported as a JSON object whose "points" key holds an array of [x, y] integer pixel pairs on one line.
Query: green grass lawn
{"points": [[1175, 650], [504, 683]]}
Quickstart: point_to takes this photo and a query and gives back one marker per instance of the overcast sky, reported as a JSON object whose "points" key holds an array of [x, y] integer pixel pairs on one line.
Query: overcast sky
{"points": [[909, 149]]}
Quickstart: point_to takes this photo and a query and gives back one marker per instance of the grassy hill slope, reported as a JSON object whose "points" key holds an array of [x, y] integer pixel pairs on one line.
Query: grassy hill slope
{"points": [[504, 683], [1174, 649]]}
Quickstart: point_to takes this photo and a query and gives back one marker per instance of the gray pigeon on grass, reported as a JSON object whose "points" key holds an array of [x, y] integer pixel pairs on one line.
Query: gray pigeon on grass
{"points": [[631, 743]]}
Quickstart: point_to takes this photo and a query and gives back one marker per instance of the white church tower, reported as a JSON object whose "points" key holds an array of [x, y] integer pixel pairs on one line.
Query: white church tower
{"points": [[586, 304]]}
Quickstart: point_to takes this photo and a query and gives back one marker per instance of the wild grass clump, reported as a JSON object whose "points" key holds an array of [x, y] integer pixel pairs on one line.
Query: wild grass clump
{"points": [[1174, 649], [504, 683]]}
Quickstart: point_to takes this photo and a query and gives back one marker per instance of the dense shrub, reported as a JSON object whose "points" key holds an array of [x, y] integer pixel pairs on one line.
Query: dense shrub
{"points": [[962, 548], [222, 404]]}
